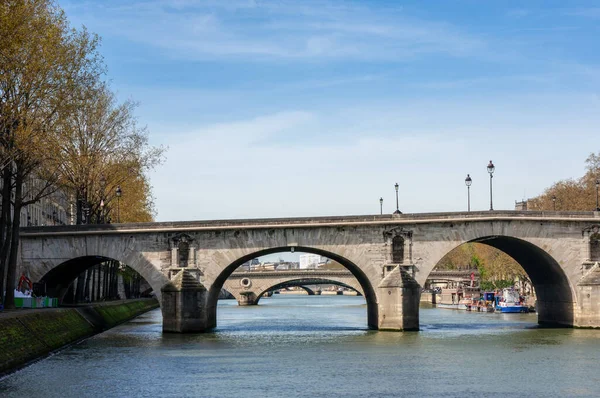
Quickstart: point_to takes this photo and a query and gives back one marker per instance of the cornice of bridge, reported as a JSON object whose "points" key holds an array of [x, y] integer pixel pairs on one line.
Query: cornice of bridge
{"points": [[311, 222]]}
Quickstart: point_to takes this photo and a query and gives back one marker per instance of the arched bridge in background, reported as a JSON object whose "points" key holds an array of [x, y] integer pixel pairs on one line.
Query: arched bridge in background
{"points": [[390, 256], [248, 287]]}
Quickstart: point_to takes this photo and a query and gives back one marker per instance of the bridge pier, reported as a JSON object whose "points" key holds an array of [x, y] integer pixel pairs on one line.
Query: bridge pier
{"points": [[587, 314], [398, 301], [248, 298], [184, 305]]}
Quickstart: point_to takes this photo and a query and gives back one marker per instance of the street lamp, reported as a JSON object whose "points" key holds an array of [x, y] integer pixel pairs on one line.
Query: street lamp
{"points": [[102, 188], [101, 218], [597, 204], [397, 206], [119, 192], [554, 202], [490, 169], [380, 205], [468, 182]]}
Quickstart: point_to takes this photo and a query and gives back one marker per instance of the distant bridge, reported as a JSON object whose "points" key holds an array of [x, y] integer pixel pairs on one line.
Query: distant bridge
{"points": [[248, 286]]}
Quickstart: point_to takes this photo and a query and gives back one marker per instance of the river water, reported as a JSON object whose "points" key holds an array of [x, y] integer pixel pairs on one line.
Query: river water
{"points": [[318, 346]]}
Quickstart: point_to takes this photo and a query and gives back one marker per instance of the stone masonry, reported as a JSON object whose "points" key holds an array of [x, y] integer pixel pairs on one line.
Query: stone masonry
{"points": [[390, 257]]}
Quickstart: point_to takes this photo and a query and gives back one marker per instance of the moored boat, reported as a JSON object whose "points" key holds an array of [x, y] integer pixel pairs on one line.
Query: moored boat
{"points": [[510, 302]]}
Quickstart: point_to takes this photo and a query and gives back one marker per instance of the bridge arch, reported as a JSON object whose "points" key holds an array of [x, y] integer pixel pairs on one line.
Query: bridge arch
{"points": [[357, 272], [555, 293], [303, 284], [263, 288], [58, 275]]}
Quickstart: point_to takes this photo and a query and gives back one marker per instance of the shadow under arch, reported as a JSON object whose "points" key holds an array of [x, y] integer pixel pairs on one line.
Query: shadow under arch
{"points": [[555, 298], [363, 280], [302, 284], [59, 278]]}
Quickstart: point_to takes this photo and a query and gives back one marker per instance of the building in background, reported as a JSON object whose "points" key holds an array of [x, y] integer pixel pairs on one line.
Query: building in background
{"points": [[521, 206], [311, 261], [54, 209]]}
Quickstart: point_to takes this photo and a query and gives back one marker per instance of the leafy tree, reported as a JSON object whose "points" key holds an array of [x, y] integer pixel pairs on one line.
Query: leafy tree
{"points": [[43, 66], [493, 265], [101, 147], [572, 194]]}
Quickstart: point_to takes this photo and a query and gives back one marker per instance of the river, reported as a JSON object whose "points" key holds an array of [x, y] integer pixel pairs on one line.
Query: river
{"points": [[318, 346]]}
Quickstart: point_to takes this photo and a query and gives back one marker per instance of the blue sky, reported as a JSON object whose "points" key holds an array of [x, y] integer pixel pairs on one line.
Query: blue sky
{"points": [[300, 108]]}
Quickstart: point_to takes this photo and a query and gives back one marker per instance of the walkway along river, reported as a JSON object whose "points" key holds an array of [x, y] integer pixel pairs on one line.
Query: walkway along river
{"points": [[297, 346]]}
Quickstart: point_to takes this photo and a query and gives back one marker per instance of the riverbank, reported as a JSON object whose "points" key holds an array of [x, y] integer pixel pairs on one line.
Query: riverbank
{"points": [[27, 335]]}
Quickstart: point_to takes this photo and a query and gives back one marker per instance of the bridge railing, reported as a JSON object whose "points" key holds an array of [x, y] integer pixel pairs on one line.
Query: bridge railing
{"points": [[312, 221]]}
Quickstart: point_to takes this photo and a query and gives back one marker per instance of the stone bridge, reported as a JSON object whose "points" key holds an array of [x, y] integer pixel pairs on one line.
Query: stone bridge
{"points": [[391, 256], [248, 287]]}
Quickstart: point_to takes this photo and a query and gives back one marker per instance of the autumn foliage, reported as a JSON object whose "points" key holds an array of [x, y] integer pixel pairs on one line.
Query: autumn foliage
{"points": [[61, 125]]}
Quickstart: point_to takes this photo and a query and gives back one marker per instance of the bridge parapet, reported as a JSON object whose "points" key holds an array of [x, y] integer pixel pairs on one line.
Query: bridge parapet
{"points": [[307, 222]]}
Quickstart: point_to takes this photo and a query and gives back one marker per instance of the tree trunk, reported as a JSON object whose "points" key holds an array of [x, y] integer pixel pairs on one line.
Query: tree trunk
{"points": [[5, 224], [116, 280], [127, 288], [113, 274], [110, 279], [11, 273], [137, 286], [99, 274], [93, 292], [80, 287], [105, 282], [86, 290], [68, 299]]}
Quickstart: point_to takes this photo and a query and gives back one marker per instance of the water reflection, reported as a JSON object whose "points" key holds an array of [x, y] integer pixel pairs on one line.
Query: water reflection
{"points": [[296, 346]]}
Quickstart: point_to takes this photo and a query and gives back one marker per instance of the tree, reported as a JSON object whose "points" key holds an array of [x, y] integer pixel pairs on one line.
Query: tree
{"points": [[495, 267], [572, 194], [44, 64], [100, 148]]}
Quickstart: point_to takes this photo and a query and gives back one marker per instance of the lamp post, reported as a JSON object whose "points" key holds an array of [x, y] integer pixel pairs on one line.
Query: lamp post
{"points": [[380, 205], [101, 218], [119, 192], [597, 203], [468, 182], [490, 169], [554, 202], [397, 206], [102, 188]]}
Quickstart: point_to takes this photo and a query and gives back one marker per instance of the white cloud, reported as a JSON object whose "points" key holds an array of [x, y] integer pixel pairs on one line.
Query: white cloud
{"points": [[287, 30], [346, 160]]}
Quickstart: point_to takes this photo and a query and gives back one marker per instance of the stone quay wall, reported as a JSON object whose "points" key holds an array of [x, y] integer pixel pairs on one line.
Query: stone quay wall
{"points": [[28, 335]]}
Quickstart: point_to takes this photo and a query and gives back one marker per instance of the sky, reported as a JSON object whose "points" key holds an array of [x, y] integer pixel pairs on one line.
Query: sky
{"points": [[316, 108]]}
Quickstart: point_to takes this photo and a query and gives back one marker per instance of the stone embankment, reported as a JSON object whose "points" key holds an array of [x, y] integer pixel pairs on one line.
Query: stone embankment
{"points": [[27, 335]]}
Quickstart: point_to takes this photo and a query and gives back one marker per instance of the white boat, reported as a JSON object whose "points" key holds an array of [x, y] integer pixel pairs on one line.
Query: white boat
{"points": [[510, 302]]}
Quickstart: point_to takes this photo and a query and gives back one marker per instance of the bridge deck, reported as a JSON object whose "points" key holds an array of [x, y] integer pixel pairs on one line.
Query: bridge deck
{"points": [[312, 222]]}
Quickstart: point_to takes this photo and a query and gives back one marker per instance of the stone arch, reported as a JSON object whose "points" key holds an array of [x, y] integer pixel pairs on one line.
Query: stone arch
{"points": [[302, 284], [362, 278], [308, 291], [555, 293], [59, 276]]}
